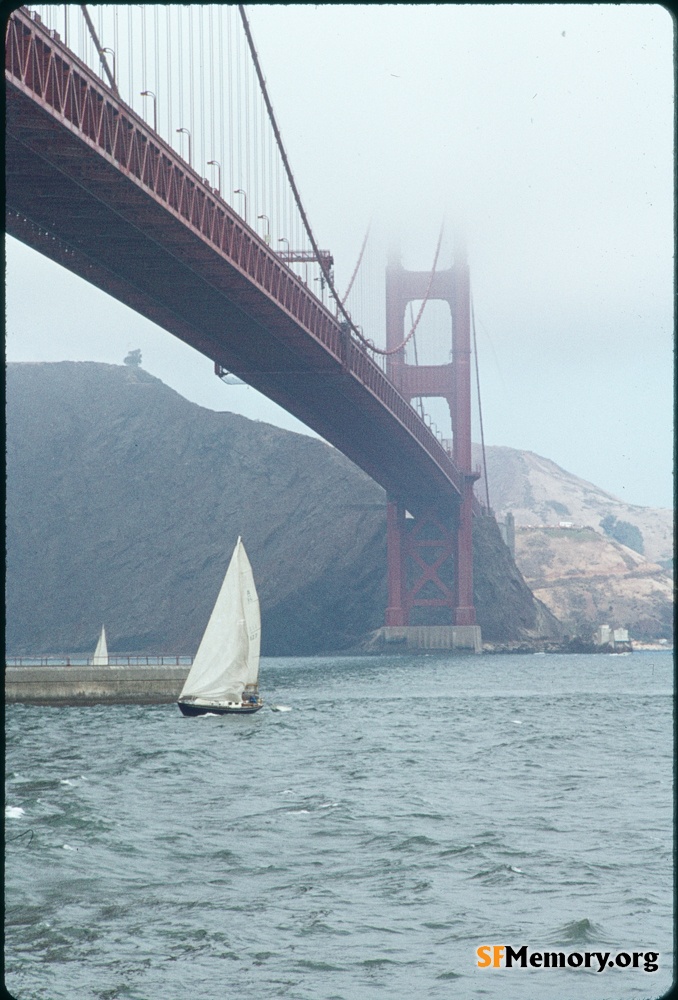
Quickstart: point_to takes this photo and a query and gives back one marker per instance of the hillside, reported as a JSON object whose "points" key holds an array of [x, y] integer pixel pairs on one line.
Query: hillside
{"points": [[587, 580], [124, 501], [538, 492]]}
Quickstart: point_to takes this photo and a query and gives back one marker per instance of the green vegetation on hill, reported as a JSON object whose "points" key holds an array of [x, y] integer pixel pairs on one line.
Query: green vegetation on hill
{"points": [[622, 531]]}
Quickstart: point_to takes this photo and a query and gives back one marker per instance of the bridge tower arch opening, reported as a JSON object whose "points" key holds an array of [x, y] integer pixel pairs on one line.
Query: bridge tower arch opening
{"points": [[430, 551]]}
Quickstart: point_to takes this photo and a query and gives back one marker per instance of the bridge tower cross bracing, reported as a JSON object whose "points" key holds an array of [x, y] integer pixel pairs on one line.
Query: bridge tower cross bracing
{"points": [[430, 556]]}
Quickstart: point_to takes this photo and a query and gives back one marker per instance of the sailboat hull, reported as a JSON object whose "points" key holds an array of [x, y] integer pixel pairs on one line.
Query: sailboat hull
{"points": [[189, 709]]}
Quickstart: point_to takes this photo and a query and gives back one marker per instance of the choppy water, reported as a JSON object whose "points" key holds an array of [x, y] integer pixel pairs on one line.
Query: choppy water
{"points": [[360, 846]]}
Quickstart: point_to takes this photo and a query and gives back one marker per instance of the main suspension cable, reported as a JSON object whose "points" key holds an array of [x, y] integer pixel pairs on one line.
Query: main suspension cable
{"points": [[321, 259], [97, 43], [357, 267], [399, 347]]}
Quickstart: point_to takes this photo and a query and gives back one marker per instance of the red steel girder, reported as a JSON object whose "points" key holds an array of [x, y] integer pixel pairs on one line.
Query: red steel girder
{"points": [[405, 546]]}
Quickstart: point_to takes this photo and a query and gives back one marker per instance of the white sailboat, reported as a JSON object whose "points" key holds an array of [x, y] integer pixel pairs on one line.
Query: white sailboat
{"points": [[100, 658], [224, 677]]}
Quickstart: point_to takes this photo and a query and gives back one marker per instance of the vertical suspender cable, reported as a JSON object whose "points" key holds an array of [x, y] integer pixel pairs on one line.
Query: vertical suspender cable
{"points": [[211, 88], [256, 107], [480, 411], [255, 156], [156, 32], [271, 176], [264, 135], [201, 66], [144, 79], [188, 70], [221, 118], [130, 60], [249, 104], [180, 76], [168, 58], [238, 107], [231, 131], [116, 39], [191, 42]]}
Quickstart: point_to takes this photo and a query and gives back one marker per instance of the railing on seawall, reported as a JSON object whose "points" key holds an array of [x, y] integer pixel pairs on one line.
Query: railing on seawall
{"points": [[88, 661]]}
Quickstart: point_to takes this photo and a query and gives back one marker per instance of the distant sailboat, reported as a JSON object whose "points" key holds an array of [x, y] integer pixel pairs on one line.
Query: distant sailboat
{"points": [[100, 658], [224, 677]]}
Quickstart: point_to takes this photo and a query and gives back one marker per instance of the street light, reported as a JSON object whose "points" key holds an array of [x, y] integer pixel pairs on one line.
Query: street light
{"points": [[215, 163], [267, 236], [244, 194], [113, 54], [185, 130], [283, 239], [149, 93]]}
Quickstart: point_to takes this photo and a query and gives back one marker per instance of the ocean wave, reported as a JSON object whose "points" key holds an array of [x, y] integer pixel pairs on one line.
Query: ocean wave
{"points": [[582, 931]]}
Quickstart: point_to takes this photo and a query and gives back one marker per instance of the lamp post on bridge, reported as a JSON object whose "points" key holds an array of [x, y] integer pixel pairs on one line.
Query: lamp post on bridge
{"points": [[215, 163], [185, 130], [244, 194], [149, 93], [267, 234], [321, 279]]}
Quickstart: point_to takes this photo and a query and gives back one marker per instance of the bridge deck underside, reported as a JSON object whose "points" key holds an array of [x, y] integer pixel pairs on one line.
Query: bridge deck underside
{"points": [[78, 208]]}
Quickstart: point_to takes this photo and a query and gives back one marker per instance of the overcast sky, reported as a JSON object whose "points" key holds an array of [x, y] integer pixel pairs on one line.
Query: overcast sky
{"points": [[545, 132]]}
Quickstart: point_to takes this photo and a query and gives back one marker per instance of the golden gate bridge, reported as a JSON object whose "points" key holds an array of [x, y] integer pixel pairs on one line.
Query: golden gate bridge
{"points": [[143, 154]]}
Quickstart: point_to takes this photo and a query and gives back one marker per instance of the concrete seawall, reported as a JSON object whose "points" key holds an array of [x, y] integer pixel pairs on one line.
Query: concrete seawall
{"points": [[447, 638], [115, 685]]}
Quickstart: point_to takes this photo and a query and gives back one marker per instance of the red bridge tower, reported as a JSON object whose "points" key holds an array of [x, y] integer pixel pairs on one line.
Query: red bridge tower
{"points": [[430, 554]]}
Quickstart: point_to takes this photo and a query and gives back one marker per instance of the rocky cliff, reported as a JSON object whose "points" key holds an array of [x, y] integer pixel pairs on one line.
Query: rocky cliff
{"points": [[124, 501], [538, 492], [591, 558], [587, 580]]}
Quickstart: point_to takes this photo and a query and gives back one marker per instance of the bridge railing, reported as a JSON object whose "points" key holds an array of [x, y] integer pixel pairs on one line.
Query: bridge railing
{"points": [[40, 66], [85, 661], [376, 380]]}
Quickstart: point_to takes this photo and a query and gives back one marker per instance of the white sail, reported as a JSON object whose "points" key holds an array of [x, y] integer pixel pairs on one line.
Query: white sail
{"points": [[228, 656], [100, 658]]}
